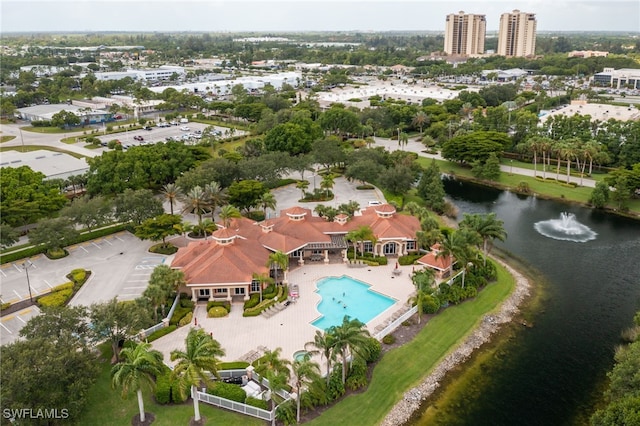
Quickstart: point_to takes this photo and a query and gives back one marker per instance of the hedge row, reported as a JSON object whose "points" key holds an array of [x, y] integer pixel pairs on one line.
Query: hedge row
{"points": [[228, 391], [85, 236], [266, 303], [162, 332], [167, 389], [56, 298], [409, 259], [255, 402], [178, 314]]}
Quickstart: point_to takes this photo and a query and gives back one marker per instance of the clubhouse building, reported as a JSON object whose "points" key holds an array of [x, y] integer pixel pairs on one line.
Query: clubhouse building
{"points": [[225, 266]]}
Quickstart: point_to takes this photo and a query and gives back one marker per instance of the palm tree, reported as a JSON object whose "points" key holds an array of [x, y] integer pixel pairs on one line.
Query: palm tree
{"points": [[273, 361], [227, 213], [267, 201], [302, 185], [216, 196], [359, 236], [304, 373], [488, 227], [569, 151], [466, 110], [350, 338], [323, 344], [200, 358], [171, 192], [423, 280], [156, 295], [195, 201], [279, 260], [451, 245], [276, 381], [206, 227], [327, 183], [420, 120], [139, 365], [262, 278]]}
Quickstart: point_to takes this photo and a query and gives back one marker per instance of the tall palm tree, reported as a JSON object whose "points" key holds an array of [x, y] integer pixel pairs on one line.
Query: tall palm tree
{"points": [[216, 196], [304, 372], [302, 185], [452, 246], [350, 339], [423, 281], [171, 193], [279, 260], [327, 183], [195, 201], [358, 236], [262, 278], [488, 227], [267, 201], [200, 358], [323, 344], [272, 361], [227, 213], [420, 120], [139, 365]]}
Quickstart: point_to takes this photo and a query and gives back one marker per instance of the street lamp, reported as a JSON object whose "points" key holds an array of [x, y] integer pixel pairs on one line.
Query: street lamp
{"points": [[26, 267], [511, 169]]}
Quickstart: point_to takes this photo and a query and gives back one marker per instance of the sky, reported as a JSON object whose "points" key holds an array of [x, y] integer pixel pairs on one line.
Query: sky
{"points": [[304, 15]]}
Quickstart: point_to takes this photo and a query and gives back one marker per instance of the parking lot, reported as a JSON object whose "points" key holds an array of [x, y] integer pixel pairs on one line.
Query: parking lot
{"points": [[13, 323], [185, 132]]}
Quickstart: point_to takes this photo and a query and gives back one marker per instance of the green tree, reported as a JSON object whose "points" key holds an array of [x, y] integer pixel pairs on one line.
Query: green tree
{"points": [[322, 343], [272, 361], [164, 282], [200, 358], [359, 236], [420, 120], [302, 185], [288, 137], [227, 213], [431, 188], [135, 206], [140, 365], [64, 119], [216, 196], [115, 321], [423, 280], [304, 373], [349, 339], [488, 227], [600, 195], [171, 192], [267, 201], [328, 152], [53, 234], [159, 228], [60, 325], [8, 236], [327, 183], [195, 201], [279, 260], [89, 212], [245, 194]]}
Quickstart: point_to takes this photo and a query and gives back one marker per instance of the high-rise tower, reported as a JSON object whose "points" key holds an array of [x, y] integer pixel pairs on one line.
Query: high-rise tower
{"points": [[464, 34], [517, 34]]}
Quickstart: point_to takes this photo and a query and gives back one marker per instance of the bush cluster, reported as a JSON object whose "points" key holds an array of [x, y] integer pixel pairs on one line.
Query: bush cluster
{"points": [[409, 259], [179, 313], [389, 339], [56, 298], [167, 389], [223, 304], [228, 391], [357, 375], [217, 312], [185, 319], [255, 402]]}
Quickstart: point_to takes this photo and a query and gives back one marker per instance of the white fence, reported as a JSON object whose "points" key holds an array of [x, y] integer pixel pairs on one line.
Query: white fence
{"points": [[165, 322], [238, 407], [396, 323]]}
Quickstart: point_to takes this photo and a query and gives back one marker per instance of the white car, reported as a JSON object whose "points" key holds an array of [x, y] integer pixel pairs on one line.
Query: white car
{"points": [[184, 128], [375, 203]]}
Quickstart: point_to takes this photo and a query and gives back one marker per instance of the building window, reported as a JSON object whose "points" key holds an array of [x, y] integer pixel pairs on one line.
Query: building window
{"points": [[297, 253], [239, 291], [203, 292], [221, 290], [411, 245], [389, 248], [368, 246], [255, 286]]}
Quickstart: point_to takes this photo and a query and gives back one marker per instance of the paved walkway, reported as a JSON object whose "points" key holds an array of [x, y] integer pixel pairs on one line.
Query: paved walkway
{"points": [[290, 329]]}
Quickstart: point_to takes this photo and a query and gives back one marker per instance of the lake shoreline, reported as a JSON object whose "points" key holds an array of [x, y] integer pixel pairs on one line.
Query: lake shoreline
{"points": [[413, 399]]}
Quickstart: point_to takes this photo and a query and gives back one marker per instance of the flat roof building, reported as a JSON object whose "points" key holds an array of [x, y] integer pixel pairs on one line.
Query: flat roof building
{"points": [[517, 34], [624, 77], [464, 34], [54, 165]]}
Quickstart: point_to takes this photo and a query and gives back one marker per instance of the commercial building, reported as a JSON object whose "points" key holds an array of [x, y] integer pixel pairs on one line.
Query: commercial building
{"points": [[464, 34], [162, 73], [622, 78], [54, 165], [517, 34], [46, 113]]}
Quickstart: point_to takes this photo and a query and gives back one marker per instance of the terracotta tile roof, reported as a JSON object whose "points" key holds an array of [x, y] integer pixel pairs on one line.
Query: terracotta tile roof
{"points": [[383, 208], [442, 263]]}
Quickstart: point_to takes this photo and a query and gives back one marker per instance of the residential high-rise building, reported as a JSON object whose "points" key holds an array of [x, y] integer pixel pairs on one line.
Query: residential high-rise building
{"points": [[517, 34], [464, 34]]}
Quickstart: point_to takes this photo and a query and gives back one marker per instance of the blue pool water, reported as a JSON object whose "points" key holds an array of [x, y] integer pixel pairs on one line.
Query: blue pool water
{"points": [[346, 296]]}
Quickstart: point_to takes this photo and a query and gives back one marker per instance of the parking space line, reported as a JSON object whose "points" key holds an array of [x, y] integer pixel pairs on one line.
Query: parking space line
{"points": [[137, 281], [96, 245], [118, 238], [129, 288], [84, 249], [17, 268], [23, 321], [47, 283], [18, 294], [107, 241], [1, 272], [5, 327]]}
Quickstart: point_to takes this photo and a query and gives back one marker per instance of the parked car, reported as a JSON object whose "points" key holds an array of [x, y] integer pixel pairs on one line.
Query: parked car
{"points": [[184, 128], [138, 138], [148, 128]]}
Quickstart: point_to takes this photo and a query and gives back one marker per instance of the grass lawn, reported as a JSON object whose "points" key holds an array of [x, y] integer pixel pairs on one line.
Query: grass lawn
{"points": [[6, 138], [405, 367], [51, 129], [105, 407]]}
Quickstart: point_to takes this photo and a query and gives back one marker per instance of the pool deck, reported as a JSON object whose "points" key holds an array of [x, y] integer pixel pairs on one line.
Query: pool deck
{"points": [[247, 338]]}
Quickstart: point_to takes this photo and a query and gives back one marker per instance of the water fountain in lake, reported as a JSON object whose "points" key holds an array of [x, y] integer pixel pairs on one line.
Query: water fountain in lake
{"points": [[566, 228]]}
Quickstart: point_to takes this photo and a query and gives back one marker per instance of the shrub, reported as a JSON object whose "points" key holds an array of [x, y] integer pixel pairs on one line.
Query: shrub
{"points": [[357, 375], [178, 314], [57, 298], [336, 388], [163, 388], [255, 402], [186, 303], [365, 187], [186, 319], [374, 350], [409, 259], [253, 301], [223, 304], [5, 306], [65, 286], [159, 333], [234, 365], [78, 276], [228, 391], [389, 339], [167, 249], [176, 395], [217, 312]]}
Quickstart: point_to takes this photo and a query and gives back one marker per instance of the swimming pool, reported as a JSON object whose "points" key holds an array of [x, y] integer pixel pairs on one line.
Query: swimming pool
{"points": [[347, 296]]}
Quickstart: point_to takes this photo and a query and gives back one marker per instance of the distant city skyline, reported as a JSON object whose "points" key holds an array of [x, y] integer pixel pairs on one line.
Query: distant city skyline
{"points": [[303, 15]]}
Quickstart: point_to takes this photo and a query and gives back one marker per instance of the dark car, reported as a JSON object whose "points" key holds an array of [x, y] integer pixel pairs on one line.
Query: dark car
{"points": [[148, 128], [138, 138]]}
